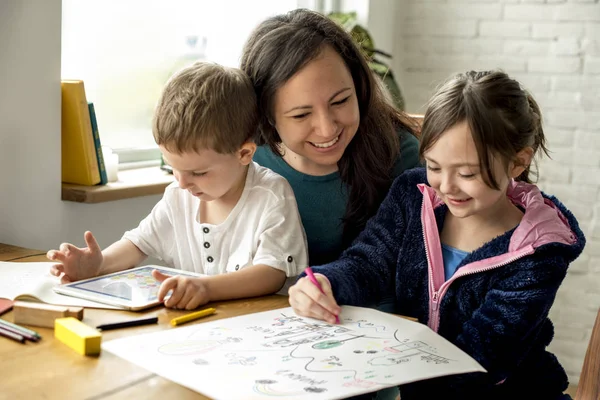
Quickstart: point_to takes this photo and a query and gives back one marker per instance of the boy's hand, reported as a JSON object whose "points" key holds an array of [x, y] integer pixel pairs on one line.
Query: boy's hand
{"points": [[188, 292], [307, 300], [76, 263]]}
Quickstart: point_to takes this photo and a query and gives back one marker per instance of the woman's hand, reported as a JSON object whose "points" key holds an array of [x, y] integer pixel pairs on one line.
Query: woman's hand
{"points": [[77, 263], [188, 292], [307, 300]]}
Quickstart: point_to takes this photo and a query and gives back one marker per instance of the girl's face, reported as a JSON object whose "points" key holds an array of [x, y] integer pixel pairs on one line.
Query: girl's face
{"points": [[316, 114], [454, 172]]}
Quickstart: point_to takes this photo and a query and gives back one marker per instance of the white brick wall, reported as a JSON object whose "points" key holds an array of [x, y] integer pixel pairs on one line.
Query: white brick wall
{"points": [[553, 48]]}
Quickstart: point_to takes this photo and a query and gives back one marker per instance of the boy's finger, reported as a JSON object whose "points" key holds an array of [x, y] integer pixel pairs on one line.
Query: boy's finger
{"points": [[172, 301], [199, 297], [159, 276], [57, 269], [176, 294], [196, 302], [91, 242], [185, 299], [54, 255], [165, 287], [67, 247]]}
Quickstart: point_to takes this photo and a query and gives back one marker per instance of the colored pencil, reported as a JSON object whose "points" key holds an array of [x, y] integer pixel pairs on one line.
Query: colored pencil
{"points": [[191, 317], [11, 335], [26, 333], [127, 324]]}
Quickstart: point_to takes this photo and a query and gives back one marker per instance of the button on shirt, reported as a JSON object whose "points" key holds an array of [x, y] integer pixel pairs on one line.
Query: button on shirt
{"points": [[263, 228]]}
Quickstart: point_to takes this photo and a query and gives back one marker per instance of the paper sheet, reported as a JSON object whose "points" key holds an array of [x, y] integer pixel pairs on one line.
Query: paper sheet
{"points": [[32, 281], [277, 353]]}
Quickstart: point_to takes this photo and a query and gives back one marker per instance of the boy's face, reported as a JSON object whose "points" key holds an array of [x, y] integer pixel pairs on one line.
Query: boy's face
{"points": [[209, 175]]}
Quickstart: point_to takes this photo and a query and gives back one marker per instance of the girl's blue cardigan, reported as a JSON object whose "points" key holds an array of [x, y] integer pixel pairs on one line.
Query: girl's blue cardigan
{"points": [[498, 316]]}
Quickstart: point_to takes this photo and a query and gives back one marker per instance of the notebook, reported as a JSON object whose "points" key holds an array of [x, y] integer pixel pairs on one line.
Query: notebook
{"points": [[31, 281], [5, 305]]}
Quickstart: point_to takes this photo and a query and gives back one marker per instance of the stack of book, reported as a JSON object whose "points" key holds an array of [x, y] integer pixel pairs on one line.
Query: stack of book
{"points": [[82, 160]]}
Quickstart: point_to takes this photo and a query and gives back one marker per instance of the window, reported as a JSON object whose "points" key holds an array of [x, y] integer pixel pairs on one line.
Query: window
{"points": [[125, 50]]}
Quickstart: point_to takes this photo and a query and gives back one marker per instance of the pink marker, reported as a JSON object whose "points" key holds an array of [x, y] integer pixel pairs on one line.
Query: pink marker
{"points": [[314, 280]]}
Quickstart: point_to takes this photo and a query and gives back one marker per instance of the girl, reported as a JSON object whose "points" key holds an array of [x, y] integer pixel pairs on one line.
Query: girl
{"points": [[476, 251]]}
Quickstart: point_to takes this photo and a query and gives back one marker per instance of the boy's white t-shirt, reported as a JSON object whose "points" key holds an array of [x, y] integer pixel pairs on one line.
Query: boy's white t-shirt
{"points": [[263, 228]]}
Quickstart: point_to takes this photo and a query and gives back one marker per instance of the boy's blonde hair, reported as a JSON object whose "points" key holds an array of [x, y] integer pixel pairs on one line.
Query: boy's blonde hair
{"points": [[206, 106]]}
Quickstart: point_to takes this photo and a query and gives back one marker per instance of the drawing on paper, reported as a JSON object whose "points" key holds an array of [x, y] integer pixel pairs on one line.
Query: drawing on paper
{"points": [[277, 353]]}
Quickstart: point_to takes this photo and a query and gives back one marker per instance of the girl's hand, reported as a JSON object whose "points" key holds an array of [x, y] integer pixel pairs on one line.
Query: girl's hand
{"points": [[188, 292], [76, 263], [307, 300]]}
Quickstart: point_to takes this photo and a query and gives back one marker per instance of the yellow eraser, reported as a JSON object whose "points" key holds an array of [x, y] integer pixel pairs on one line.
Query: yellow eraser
{"points": [[80, 337]]}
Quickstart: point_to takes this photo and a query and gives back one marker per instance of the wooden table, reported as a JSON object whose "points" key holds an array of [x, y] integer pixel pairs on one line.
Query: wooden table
{"points": [[51, 370], [14, 253]]}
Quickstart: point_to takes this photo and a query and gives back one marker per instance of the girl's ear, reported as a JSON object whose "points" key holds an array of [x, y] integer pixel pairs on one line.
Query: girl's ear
{"points": [[521, 162], [246, 152]]}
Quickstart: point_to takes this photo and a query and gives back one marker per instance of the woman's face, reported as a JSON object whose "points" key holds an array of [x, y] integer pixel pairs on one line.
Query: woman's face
{"points": [[316, 114]]}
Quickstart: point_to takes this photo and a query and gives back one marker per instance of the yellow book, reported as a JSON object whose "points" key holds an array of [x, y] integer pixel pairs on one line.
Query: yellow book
{"points": [[79, 160]]}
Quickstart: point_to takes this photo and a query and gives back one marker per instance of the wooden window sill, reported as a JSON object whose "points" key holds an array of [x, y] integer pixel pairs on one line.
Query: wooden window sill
{"points": [[132, 183]]}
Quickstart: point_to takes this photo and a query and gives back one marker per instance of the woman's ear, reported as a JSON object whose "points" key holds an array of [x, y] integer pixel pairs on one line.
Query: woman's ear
{"points": [[246, 152], [521, 162]]}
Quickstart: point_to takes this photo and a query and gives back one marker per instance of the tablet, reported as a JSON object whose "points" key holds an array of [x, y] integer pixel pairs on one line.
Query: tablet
{"points": [[132, 289]]}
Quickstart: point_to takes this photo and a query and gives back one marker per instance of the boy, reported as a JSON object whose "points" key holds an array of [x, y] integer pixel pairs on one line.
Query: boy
{"points": [[226, 216]]}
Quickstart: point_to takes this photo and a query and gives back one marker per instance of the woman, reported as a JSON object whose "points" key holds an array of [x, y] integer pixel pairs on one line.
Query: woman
{"points": [[326, 126]]}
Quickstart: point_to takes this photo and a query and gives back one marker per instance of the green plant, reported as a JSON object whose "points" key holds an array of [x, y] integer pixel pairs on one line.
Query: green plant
{"points": [[365, 41]]}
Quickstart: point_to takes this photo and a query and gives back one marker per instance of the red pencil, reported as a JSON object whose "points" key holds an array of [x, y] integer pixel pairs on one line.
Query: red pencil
{"points": [[314, 280], [11, 335]]}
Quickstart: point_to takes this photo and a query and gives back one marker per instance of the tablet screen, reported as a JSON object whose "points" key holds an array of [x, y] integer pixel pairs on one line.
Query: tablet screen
{"points": [[136, 285]]}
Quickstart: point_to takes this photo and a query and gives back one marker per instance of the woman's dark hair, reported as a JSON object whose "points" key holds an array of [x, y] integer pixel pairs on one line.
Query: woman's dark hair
{"points": [[502, 116], [280, 47]]}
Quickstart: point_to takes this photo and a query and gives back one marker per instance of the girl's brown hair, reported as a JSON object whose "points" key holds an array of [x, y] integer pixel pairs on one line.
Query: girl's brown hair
{"points": [[502, 116], [281, 46]]}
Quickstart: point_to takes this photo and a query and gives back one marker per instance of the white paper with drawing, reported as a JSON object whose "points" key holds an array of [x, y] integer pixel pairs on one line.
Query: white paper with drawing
{"points": [[277, 353]]}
